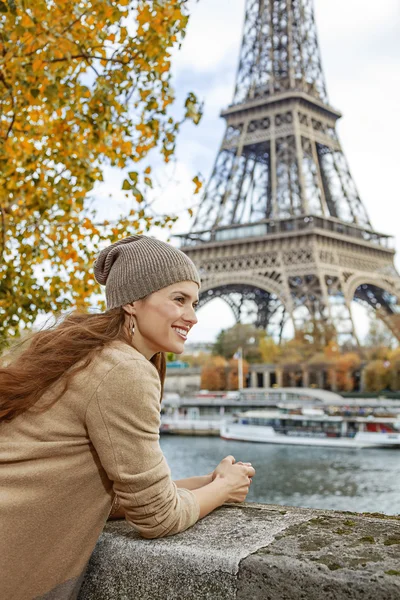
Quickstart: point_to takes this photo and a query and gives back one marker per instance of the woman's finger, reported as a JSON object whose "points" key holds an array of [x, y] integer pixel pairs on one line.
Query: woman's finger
{"points": [[230, 458]]}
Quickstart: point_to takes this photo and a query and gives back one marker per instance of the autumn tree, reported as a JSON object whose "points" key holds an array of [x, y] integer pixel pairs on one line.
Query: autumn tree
{"points": [[345, 368], [299, 349], [214, 374], [394, 360], [83, 85], [318, 333], [377, 375], [270, 351], [195, 360], [242, 335]]}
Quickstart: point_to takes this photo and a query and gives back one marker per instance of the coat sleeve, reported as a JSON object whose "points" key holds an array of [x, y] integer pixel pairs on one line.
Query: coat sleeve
{"points": [[123, 422]]}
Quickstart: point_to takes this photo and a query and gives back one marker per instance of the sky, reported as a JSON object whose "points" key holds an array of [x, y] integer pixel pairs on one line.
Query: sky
{"points": [[360, 48]]}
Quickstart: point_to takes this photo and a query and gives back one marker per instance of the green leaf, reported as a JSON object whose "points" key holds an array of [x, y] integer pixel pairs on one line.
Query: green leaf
{"points": [[138, 194], [3, 7], [51, 91], [126, 185], [35, 92]]}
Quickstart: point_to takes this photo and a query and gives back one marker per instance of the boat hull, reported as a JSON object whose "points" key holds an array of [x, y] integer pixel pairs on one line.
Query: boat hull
{"points": [[267, 435]]}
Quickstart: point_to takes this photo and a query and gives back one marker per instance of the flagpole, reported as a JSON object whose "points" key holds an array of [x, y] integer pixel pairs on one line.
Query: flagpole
{"points": [[240, 369]]}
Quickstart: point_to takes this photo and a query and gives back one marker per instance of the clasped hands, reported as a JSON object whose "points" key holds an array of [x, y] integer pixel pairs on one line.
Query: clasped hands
{"points": [[226, 464]]}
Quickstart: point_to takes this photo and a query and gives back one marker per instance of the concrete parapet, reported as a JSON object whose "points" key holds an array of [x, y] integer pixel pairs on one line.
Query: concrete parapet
{"points": [[252, 551]]}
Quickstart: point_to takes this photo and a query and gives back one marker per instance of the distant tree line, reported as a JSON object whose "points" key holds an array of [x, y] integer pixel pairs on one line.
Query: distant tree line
{"points": [[379, 357]]}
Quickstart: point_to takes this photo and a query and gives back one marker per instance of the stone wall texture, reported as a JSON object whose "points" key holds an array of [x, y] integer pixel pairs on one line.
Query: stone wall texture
{"points": [[252, 551]]}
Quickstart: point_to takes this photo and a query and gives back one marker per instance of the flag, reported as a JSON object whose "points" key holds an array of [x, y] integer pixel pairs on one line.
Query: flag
{"points": [[238, 354]]}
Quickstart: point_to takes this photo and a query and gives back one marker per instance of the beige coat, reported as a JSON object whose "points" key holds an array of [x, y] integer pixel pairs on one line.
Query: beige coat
{"points": [[60, 470]]}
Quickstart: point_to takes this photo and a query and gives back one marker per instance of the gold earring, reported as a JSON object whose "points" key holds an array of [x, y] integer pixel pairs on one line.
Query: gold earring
{"points": [[131, 324]]}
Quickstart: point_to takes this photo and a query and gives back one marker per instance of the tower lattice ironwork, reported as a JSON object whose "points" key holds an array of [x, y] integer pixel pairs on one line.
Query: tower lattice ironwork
{"points": [[281, 231]]}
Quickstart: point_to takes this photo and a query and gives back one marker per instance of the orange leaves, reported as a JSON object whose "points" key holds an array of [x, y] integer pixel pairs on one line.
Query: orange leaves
{"points": [[26, 21], [144, 94], [144, 16], [37, 64], [80, 90], [198, 184]]}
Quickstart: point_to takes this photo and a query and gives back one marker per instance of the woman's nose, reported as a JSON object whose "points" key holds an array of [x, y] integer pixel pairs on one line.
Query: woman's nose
{"points": [[191, 317]]}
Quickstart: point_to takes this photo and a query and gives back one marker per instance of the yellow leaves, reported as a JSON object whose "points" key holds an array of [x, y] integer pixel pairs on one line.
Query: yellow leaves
{"points": [[58, 53], [37, 64], [177, 14], [26, 21], [163, 67], [144, 16], [90, 20], [194, 109], [198, 184], [123, 34], [70, 255], [126, 148], [144, 94], [61, 132], [145, 129]]}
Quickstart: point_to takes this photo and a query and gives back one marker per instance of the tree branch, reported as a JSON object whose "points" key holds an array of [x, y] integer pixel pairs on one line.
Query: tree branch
{"points": [[88, 57], [3, 231]]}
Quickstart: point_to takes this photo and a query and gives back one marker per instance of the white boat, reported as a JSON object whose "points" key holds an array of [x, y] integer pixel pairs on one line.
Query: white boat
{"points": [[312, 427]]}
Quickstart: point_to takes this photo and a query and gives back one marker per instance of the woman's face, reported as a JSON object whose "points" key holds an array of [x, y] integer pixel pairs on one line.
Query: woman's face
{"points": [[163, 319]]}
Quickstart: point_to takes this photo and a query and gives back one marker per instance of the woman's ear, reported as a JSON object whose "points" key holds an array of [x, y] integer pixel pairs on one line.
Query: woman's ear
{"points": [[129, 308]]}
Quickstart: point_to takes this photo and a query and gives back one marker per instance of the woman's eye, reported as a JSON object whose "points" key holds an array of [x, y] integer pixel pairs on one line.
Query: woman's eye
{"points": [[180, 299]]}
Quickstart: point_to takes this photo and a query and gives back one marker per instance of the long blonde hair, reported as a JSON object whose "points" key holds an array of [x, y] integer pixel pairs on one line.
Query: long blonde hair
{"points": [[54, 351]]}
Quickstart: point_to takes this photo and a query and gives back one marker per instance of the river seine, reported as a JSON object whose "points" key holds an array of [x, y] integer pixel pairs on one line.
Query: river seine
{"points": [[365, 480]]}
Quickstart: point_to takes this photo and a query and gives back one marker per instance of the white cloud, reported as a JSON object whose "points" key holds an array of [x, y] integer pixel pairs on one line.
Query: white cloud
{"points": [[213, 33], [355, 19]]}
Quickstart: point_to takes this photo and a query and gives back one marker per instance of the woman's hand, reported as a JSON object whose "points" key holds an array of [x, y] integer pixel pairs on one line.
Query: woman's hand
{"points": [[220, 469], [236, 477]]}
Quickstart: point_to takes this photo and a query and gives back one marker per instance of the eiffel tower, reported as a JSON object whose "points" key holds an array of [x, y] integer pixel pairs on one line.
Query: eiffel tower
{"points": [[281, 232]]}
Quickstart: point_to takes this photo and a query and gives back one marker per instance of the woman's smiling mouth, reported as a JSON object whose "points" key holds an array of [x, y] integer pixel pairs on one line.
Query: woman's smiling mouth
{"points": [[181, 332]]}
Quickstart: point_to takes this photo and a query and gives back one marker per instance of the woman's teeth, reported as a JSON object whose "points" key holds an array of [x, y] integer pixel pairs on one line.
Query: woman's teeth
{"points": [[181, 332]]}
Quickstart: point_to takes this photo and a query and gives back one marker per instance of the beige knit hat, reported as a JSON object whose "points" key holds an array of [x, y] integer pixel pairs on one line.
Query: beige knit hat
{"points": [[138, 266]]}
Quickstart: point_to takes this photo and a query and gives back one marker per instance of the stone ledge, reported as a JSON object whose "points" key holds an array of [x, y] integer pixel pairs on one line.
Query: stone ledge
{"points": [[252, 551]]}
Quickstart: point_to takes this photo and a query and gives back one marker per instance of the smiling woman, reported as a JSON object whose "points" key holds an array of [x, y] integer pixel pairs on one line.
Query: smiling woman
{"points": [[162, 321], [80, 419]]}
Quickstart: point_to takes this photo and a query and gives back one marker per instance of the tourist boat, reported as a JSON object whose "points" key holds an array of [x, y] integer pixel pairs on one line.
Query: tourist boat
{"points": [[312, 427]]}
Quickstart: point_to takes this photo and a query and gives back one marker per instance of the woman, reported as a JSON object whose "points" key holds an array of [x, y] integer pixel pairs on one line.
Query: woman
{"points": [[79, 426]]}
